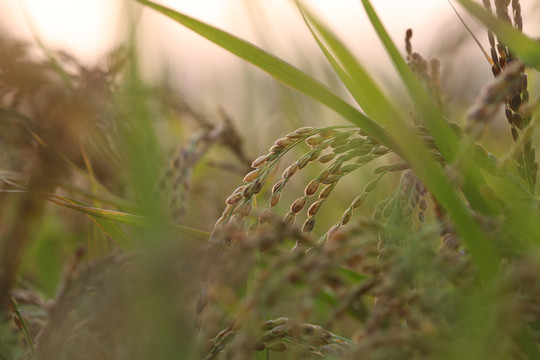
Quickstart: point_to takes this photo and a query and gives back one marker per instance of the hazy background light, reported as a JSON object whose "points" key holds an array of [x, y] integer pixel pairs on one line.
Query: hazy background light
{"points": [[212, 77], [88, 28]]}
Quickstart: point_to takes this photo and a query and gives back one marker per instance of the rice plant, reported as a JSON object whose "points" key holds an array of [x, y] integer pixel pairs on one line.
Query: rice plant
{"points": [[397, 236]]}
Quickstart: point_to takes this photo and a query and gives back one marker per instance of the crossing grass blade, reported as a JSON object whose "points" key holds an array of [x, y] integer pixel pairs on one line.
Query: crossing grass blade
{"points": [[351, 72], [280, 70]]}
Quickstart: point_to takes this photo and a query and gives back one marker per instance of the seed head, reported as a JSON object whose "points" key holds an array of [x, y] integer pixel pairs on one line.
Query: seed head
{"points": [[278, 186], [312, 187], [314, 208], [261, 160], [299, 133], [248, 191], [308, 224], [314, 140], [252, 175], [349, 168], [304, 160], [331, 179], [289, 218], [276, 149], [326, 191], [233, 198], [358, 201], [284, 142], [245, 208], [290, 171], [314, 154], [381, 169], [371, 185], [379, 151], [275, 198], [298, 204], [257, 185], [326, 158], [346, 216], [328, 133]]}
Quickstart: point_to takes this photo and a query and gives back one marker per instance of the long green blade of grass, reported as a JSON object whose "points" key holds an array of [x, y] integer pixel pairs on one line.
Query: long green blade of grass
{"points": [[481, 250], [446, 140], [354, 76], [371, 98], [280, 70], [526, 48]]}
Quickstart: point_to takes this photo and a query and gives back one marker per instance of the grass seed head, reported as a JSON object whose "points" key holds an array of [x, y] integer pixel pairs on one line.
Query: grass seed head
{"points": [[275, 198], [278, 186], [327, 190], [304, 160], [346, 216], [261, 160], [284, 142], [371, 185], [288, 220], [314, 155], [314, 208], [308, 224], [277, 149], [301, 132], [233, 199], [257, 185], [315, 140], [358, 201], [252, 175], [312, 187], [331, 179], [298, 204], [327, 158], [290, 171]]}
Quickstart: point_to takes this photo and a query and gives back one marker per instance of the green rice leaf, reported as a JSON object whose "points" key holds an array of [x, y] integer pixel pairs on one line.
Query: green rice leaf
{"points": [[348, 68], [354, 76], [280, 70]]}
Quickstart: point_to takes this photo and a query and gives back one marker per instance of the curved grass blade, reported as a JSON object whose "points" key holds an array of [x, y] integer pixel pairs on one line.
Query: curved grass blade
{"points": [[526, 48], [280, 70], [483, 253], [354, 76]]}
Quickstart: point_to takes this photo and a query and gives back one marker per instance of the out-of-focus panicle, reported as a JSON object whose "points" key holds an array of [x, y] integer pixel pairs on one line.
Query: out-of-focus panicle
{"points": [[512, 89], [176, 181], [428, 72], [496, 93]]}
